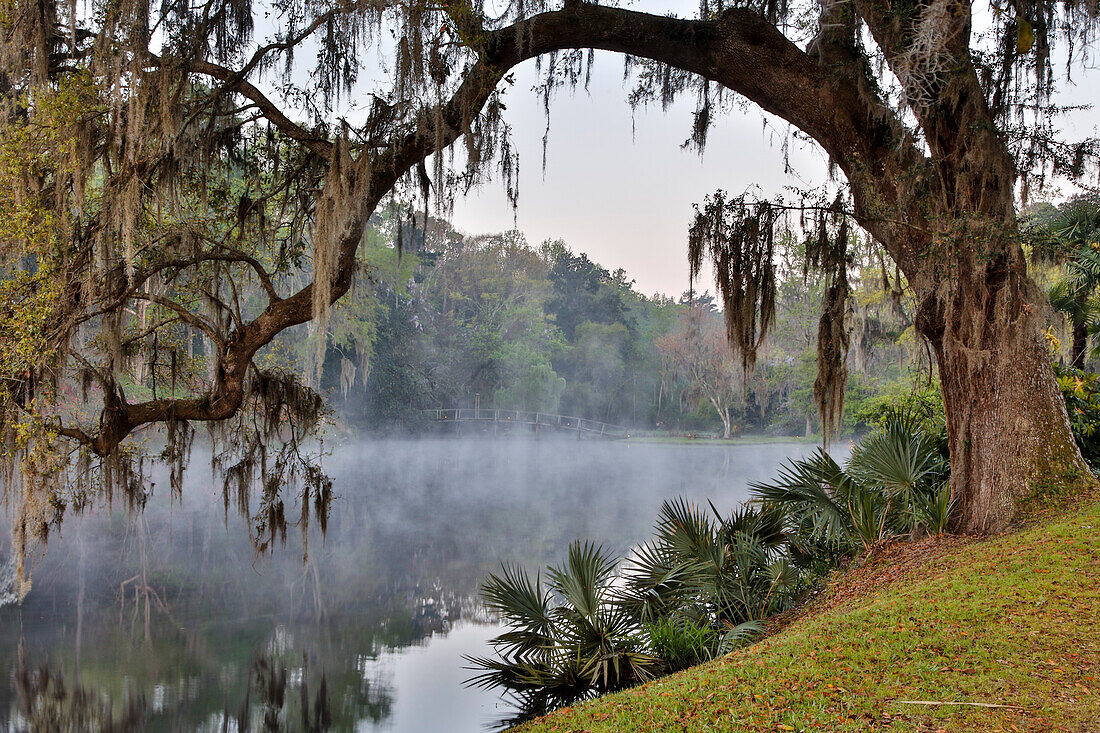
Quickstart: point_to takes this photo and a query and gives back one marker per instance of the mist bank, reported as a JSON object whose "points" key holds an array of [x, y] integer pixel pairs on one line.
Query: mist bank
{"points": [[172, 608]]}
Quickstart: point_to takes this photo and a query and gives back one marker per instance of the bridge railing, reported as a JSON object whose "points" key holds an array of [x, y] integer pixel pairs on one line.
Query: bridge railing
{"points": [[522, 417]]}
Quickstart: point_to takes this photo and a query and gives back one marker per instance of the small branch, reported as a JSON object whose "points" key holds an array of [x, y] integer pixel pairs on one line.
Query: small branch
{"points": [[75, 434], [185, 315], [848, 213], [215, 300], [262, 51], [235, 255], [105, 384], [150, 330], [967, 704], [235, 82]]}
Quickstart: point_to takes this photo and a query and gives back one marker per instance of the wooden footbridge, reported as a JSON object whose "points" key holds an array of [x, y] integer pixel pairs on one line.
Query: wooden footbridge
{"points": [[510, 420]]}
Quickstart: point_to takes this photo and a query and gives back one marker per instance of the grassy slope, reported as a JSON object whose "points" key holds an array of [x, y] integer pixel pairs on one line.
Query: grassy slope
{"points": [[1012, 621]]}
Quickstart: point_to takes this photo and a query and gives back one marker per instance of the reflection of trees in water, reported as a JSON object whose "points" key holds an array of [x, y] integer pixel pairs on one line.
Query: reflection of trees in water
{"points": [[8, 577], [176, 605], [47, 704], [275, 710], [277, 698], [184, 677]]}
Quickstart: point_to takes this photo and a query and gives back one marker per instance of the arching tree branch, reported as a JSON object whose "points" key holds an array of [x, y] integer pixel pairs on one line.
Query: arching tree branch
{"points": [[739, 49]]}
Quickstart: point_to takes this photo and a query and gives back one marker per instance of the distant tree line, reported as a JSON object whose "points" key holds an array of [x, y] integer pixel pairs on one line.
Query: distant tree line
{"points": [[453, 320]]}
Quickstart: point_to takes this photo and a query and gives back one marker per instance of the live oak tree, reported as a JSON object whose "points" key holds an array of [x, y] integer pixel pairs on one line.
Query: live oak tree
{"points": [[176, 193]]}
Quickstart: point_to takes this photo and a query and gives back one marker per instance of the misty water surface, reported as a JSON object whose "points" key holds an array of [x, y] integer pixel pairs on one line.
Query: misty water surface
{"points": [[383, 609]]}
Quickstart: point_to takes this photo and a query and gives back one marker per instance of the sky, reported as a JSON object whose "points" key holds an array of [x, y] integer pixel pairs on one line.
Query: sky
{"points": [[618, 186]]}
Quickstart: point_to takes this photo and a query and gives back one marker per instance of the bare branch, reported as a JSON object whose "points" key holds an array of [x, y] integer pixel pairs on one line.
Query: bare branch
{"points": [[236, 82], [185, 315]]}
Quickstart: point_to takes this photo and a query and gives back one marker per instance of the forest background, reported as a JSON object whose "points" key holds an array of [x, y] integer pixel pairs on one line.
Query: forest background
{"points": [[449, 319]]}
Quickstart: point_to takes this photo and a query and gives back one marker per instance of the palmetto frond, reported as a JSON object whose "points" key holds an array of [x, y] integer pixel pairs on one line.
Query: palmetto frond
{"points": [[523, 605], [741, 588], [509, 673], [567, 641], [903, 462], [765, 521], [1075, 300], [1078, 224], [685, 529], [739, 636], [658, 580], [900, 458], [582, 580], [713, 571], [1076, 232], [868, 510], [611, 670], [814, 493], [934, 508], [885, 488]]}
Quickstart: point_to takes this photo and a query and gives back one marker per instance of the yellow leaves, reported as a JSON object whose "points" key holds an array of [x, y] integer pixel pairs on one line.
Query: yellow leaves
{"points": [[1025, 36], [28, 303], [1053, 344], [42, 156]]}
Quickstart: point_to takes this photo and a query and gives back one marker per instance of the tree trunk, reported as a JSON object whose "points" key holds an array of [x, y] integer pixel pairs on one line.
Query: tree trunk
{"points": [[1080, 340], [1008, 430], [723, 415]]}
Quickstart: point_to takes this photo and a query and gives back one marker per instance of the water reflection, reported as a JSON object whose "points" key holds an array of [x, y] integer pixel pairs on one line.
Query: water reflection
{"points": [[170, 617]]}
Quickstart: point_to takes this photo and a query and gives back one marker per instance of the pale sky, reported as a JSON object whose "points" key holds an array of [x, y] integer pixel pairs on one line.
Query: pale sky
{"points": [[617, 185], [620, 188]]}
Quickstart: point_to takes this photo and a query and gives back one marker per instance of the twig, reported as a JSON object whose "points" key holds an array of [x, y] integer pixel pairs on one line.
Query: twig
{"points": [[968, 704]]}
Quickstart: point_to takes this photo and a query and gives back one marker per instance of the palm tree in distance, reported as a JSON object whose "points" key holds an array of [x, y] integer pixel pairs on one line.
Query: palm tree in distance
{"points": [[1072, 235]]}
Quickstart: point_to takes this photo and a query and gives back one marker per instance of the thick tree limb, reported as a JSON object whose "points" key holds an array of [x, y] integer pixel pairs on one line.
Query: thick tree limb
{"points": [[740, 50]]}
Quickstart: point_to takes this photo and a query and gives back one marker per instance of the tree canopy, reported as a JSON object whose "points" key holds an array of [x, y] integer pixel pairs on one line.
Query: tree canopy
{"points": [[183, 182]]}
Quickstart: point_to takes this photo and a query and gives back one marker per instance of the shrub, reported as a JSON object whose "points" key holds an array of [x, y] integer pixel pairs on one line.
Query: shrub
{"points": [[701, 586], [567, 641], [681, 642], [1081, 391], [894, 482], [723, 572]]}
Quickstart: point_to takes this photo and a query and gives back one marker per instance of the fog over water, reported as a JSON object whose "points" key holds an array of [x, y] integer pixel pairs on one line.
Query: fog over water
{"points": [[173, 609]]}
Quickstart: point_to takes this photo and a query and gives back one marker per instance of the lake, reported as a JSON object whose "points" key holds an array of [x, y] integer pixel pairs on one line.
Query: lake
{"points": [[170, 617]]}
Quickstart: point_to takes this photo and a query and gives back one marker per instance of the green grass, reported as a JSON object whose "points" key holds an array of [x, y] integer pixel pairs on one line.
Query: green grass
{"points": [[1012, 621]]}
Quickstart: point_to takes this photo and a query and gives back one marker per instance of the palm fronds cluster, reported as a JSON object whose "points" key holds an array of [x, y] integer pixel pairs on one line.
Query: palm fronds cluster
{"points": [[704, 583], [895, 482], [1081, 392], [1072, 235], [567, 640]]}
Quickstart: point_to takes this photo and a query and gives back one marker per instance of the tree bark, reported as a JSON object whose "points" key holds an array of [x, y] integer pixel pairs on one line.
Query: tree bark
{"points": [[1007, 426]]}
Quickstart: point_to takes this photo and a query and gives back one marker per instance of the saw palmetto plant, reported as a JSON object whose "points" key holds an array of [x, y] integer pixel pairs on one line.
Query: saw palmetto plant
{"points": [[567, 640], [895, 482]]}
